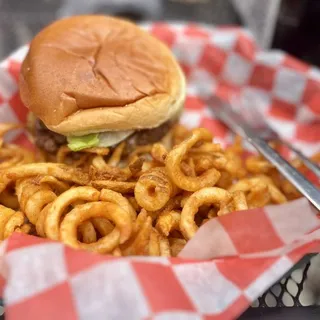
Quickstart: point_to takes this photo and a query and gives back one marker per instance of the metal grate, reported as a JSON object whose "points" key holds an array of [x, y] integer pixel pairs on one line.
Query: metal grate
{"points": [[285, 293]]}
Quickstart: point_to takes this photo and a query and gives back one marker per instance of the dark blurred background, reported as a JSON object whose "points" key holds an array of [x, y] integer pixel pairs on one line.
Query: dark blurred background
{"points": [[290, 25]]}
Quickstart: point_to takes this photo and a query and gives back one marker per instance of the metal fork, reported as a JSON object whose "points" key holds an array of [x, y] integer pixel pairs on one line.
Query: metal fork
{"points": [[257, 121], [236, 122]]}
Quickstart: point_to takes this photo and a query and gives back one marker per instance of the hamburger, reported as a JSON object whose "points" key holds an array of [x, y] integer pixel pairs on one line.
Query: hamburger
{"points": [[93, 81]]}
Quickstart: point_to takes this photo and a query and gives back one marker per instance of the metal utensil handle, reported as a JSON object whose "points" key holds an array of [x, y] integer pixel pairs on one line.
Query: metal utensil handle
{"points": [[236, 122], [309, 164], [288, 171]]}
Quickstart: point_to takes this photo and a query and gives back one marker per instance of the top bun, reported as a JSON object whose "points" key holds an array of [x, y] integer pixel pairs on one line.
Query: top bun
{"points": [[88, 74]]}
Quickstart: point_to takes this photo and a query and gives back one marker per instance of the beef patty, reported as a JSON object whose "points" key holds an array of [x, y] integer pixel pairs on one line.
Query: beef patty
{"points": [[51, 141]]}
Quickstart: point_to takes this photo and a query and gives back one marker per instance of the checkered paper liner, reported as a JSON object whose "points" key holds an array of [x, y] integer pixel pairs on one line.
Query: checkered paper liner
{"points": [[232, 259]]}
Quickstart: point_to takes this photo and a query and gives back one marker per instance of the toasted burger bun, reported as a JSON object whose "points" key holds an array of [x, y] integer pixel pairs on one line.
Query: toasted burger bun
{"points": [[89, 74]]}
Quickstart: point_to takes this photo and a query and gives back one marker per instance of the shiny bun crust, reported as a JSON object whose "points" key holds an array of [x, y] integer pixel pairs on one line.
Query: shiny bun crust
{"points": [[97, 73]]}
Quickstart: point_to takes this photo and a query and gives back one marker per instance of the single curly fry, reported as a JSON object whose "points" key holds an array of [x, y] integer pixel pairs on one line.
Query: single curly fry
{"points": [[204, 196], [59, 206], [168, 222], [176, 155], [107, 210], [154, 189]]}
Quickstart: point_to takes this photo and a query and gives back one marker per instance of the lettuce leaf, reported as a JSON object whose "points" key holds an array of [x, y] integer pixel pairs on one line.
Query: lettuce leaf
{"points": [[83, 142]]}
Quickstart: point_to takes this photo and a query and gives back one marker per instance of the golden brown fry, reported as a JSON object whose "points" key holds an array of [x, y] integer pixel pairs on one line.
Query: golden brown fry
{"points": [[154, 244], [257, 164], [9, 199], [164, 247], [176, 245], [139, 245], [115, 158], [110, 173], [237, 203], [259, 196], [176, 155], [15, 221], [103, 226], [154, 189], [61, 203], [212, 195], [56, 185], [134, 203], [159, 152], [87, 232], [118, 186], [57, 170], [118, 198], [140, 150], [117, 252], [107, 210], [247, 184], [167, 222], [9, 221], [33, 197]]}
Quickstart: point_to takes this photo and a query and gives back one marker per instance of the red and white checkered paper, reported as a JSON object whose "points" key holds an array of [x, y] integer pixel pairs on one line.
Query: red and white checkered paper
{"points": [[231, 260]]}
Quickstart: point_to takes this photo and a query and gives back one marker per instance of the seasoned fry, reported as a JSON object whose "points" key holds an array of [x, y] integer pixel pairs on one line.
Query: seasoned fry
{"points": [[154, 189], [9, 221], [154, 243], [107, 210], [118, 186], [159, 152], [167, 222], [60, 204], [57, 170], [87, 232], [116, 155], [175, 156], [139, 246], [176, 245], [212, 195], [118, 198]]}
